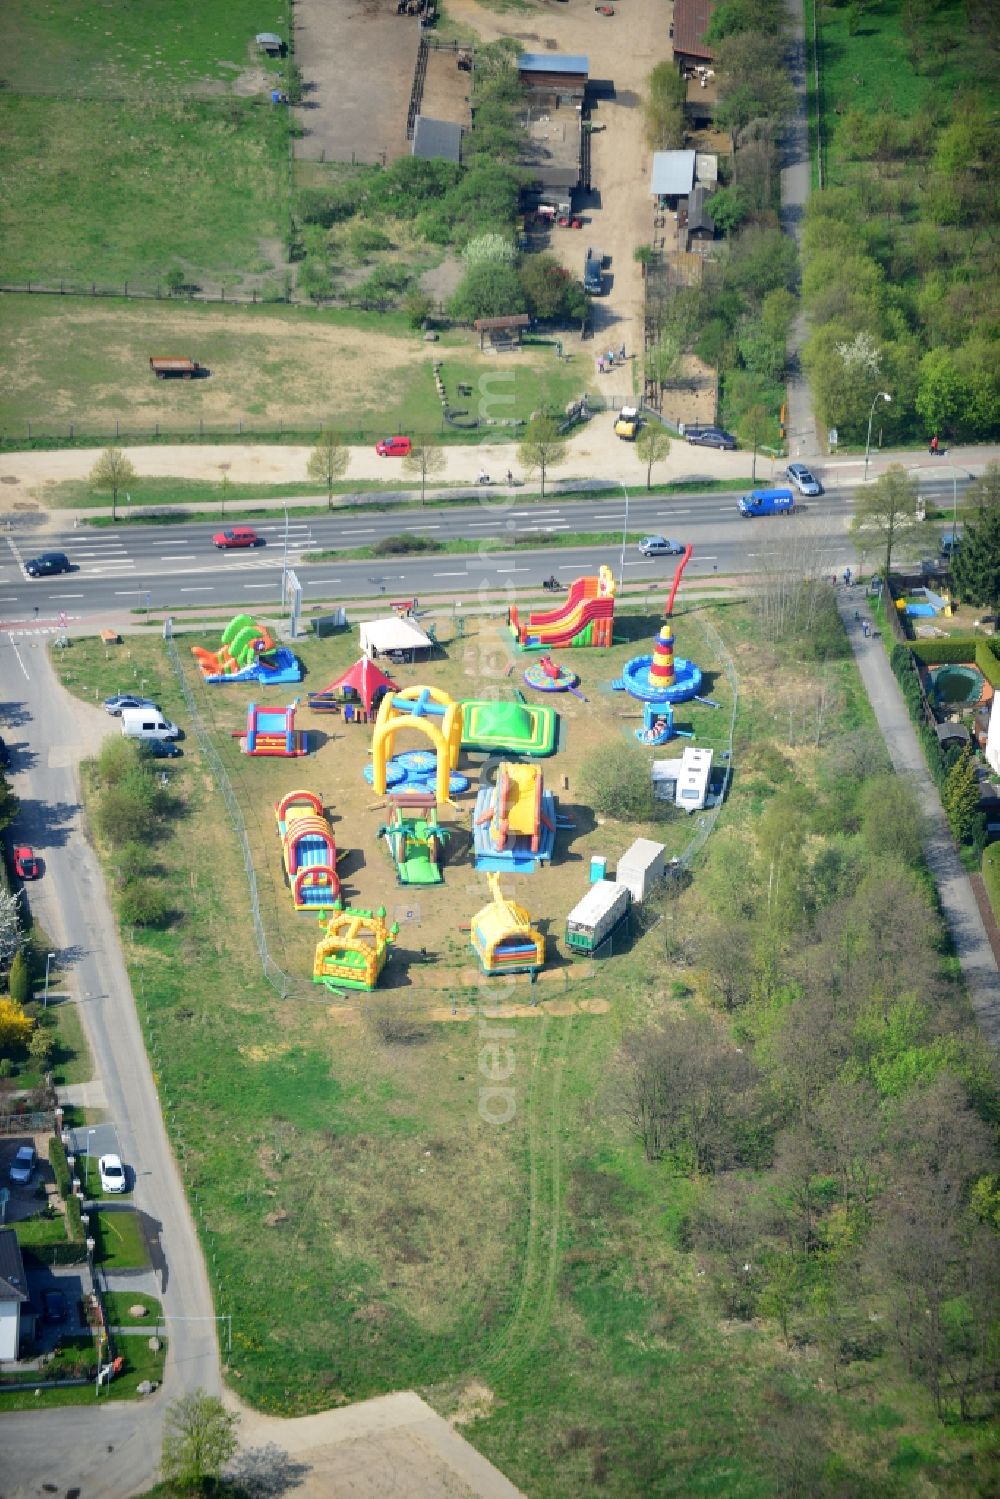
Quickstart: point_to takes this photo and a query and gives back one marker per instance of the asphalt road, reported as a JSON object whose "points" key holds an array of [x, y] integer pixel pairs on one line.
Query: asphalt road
{"points": [[121, 568], [114, 1450]]}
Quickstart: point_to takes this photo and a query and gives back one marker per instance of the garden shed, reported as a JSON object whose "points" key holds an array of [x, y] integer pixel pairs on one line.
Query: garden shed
{"points": [[270, 44], [395, 638], [641, 867], [554, 77]]}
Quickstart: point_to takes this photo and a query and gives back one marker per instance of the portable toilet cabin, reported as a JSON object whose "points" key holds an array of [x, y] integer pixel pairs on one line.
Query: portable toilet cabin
{"points": [[641, 867], [598, 918]]}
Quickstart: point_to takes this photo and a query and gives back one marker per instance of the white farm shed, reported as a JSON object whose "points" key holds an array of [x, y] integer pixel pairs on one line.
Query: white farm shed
{"points": [[641, 867], [386, 637], [673, 174]]}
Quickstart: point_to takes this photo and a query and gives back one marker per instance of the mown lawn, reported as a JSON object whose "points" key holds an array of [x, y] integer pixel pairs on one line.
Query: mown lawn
{"points": [[120, 1241]]}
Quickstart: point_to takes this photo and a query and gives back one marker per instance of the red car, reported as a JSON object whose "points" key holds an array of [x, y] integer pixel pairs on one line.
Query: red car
{"points": [[26, 866], [239, 536], [393, 447]]}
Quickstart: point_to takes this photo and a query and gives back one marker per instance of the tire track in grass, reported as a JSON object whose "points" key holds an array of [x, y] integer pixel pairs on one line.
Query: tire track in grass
{"points": [[532, 1312]]}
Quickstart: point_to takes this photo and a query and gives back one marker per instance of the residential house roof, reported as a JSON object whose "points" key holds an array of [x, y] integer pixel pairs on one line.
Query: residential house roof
{"points": [[673, 174], [13, 1281]]}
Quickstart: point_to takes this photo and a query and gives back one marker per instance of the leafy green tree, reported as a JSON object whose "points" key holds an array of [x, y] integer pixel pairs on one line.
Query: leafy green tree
{"points": [[755, 427], [176, 280], [753, 84], [418, 307], [652, 446], [143, 903], [424, 461], [552, 292], [885, 516], [314, 280], [942, 395], [10, 925], [40, 1048], [663, 107], [975, 565], [10, 804], [728, 208], [488, 290], [19, 979], [542, 447], [663, 360], [492, 248], [199, 1438], [961, 797], [328, 462], [112, 471]]}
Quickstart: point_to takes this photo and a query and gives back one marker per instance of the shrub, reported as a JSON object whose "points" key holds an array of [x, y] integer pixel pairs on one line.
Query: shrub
{"points": [[40, 1048], [6, 1067], [618, 783], [74, 1218], [406, 541], [15, 1025], [60, 1170], [937, 652], [143, 903]]}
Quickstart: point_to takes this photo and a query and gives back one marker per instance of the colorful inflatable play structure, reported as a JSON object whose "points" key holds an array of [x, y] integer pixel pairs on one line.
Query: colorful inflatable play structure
{"points": [[308, 850], [361, 683], [247, 653], [503, 938], [586, 617], [354, 950], [431, 713], [658, 725], [546, 675], [415, 839], [514, 825], [512, 728], [662, 677], [272, 731]]}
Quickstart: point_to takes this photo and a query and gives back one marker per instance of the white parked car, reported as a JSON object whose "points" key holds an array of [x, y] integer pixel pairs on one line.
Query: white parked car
{"points": [[804, 479], [112, 1174]]}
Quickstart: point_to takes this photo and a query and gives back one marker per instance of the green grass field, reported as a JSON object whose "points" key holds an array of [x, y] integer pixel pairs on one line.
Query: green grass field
{"points": [[95, 47], [120, 1241], [117, 1305], [195, 184]]}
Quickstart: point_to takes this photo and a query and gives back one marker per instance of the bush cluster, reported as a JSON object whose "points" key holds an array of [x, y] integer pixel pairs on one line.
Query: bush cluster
{"points": [[406, 542]]}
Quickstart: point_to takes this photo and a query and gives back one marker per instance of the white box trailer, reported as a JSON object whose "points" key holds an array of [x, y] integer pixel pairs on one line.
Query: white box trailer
{"points": [[641, 867], [599, 917]]}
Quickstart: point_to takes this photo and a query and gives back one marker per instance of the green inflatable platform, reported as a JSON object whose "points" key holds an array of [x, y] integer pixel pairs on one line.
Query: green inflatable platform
{"points": [[522, 728]]}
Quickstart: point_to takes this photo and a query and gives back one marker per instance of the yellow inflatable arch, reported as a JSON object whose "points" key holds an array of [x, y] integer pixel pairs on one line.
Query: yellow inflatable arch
{"points": [[431, 713]]}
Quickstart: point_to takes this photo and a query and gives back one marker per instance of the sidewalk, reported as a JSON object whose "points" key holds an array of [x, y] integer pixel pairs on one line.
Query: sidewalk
{"points": [[958, 900]]}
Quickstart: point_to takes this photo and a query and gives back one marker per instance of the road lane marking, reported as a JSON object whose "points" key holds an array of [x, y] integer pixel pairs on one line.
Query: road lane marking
{"points": [[65, 595], [462, 574], [207, 588], [20, 663]]}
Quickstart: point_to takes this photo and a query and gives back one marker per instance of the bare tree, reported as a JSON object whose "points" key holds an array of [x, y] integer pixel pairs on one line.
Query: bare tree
{"points": [[424, 462], [328, 462], [542, 447], [886, 515]]}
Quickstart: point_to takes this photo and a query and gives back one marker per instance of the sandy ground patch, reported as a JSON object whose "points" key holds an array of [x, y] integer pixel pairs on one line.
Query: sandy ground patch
{"points": [[357, 58]]}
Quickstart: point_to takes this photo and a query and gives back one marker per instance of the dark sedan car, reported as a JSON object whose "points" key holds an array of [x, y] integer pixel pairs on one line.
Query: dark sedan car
{"points": [[56, 1306], [710, 437]]}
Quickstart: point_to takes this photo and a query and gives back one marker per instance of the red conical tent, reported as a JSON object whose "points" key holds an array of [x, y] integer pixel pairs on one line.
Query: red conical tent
{"points": [[366, 679]]}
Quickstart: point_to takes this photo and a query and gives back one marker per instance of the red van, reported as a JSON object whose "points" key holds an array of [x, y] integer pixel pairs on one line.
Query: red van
{"points": [[393, 447]]}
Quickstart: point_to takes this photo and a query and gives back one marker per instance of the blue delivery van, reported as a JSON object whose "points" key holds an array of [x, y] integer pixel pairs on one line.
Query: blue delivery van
{"points": [[767, 502]]}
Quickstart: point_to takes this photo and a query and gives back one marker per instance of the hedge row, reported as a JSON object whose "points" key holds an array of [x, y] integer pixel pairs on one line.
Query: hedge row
{"points": [[73, 1252], [991, 876], [60, 1169], [960, 648]]}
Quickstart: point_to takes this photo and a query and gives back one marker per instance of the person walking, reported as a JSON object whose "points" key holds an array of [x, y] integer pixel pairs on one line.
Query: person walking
{"points": [[935, 445]]}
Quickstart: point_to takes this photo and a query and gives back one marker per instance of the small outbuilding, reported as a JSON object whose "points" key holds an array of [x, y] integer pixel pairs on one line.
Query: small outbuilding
{"points": [[270, 44], [436, 140], [554, 77], [700, 224], [641, 867], [685, 781], [672, 176], [691, 18]]}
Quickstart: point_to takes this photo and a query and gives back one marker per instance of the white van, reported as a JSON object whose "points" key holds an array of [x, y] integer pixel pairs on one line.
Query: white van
{"points": [[147, 723]]}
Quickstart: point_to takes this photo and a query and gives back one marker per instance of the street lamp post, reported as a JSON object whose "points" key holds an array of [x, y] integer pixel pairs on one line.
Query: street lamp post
{"points": [[881, 395], [621, 569], [45, 996]]}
